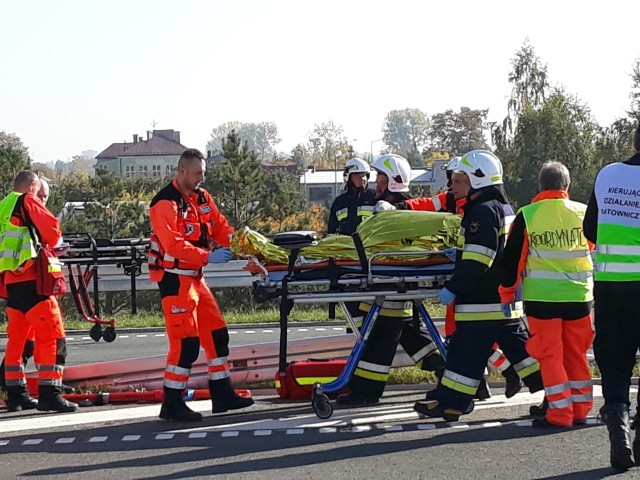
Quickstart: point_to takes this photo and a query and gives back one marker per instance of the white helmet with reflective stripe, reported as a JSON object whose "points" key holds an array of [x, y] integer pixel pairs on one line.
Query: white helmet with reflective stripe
{"points": [[397, 169], [453, 164], [355, 165], [482, 167]]}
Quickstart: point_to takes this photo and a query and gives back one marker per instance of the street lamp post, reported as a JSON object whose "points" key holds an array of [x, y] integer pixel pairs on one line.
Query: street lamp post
{"points": [[371, 152]]}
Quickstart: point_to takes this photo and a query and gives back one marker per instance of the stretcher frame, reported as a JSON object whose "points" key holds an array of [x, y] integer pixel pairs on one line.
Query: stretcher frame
{"points": [[83, 258], [403, 286]]}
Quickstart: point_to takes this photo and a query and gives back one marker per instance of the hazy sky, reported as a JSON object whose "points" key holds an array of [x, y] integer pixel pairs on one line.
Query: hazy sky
{"points": [[79, 75]]}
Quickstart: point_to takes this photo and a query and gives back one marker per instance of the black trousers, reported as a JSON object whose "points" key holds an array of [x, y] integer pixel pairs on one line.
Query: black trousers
{"points": [[372, 371], [468, 352], [617, 322]]}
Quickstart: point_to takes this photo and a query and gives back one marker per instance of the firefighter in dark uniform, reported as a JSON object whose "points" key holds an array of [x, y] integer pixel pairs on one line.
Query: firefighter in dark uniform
{"points": [[395, 323], [479, 317], [612, 222], [452, 201], [356, 203]]}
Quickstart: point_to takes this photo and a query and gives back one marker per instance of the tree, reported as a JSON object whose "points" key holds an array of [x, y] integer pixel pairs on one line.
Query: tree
{"points": [[261, 137], [327, 147], [282, 198], [634, 112], [81, 164], [14, 157], [458, 133], [406, 133], [238, 182], [529, 88], [562, 129]]}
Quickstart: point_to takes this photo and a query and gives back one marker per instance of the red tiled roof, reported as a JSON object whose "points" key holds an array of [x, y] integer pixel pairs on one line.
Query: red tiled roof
{"points": [[156, 145], [163, 142], [114, 150]]}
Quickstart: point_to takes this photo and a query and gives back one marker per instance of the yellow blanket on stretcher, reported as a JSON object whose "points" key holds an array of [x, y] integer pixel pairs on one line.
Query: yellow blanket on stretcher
{"points": [[392, 231]]}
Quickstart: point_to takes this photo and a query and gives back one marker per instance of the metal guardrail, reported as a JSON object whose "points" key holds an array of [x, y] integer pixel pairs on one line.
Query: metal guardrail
{"points": [[249, 363], [112, 278]]}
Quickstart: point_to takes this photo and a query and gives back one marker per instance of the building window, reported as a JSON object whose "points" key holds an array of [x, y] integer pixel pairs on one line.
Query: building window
{"points": [[320, 194], [143, 170], [156, 169], [128, 171]]}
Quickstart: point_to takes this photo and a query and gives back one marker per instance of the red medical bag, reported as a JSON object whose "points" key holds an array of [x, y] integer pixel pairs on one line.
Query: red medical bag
{"points": [[300, 377]]}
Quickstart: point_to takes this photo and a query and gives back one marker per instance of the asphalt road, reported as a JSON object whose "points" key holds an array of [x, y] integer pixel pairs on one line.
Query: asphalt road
{"points": [[277, 440]]}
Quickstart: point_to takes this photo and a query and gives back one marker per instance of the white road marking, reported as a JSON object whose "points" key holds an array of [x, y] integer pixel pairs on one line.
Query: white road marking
{"points": [[159, 335], [198, 435], [295, 431], [249, 331], [100, 439], [32, 441], [131, 438], [262, 433], [342, 419], [70, 338], [65, 440], [303, 329], [164, 436], [142, 335], [267, 331]]}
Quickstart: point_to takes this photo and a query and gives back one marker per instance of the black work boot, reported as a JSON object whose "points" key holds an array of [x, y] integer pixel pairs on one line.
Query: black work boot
{"points": [[19, 399], [49, 399], [635, 425], [433, 363], [224, 397], [616, 418], [539, 411], [174, 408], [483, 392], [512, 382]]}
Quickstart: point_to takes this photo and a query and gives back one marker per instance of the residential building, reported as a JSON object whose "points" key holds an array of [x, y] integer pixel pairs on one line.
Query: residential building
{"points": [[155, 156]]}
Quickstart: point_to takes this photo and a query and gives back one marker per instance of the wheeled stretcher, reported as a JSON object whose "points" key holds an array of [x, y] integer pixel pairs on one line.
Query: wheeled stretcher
{"points": [[83, 258], [372, 280]]}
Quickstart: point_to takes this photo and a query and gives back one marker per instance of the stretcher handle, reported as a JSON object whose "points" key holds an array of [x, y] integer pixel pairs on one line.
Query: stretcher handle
{"points": [[401, 254]]}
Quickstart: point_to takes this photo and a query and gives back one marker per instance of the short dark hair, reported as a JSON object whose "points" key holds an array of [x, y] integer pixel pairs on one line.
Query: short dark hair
{"points": [[554, 176], [24, 179], [636, 139], [190, 155]]}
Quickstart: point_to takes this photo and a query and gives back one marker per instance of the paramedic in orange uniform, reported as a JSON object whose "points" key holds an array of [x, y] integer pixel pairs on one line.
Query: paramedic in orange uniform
{"points": [[29, 313], [185, 223]]}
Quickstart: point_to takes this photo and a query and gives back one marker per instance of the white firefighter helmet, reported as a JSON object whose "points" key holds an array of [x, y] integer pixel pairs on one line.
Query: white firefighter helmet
{"points": [[397, 169], [355, 165], [452, 164], [482, 167]]}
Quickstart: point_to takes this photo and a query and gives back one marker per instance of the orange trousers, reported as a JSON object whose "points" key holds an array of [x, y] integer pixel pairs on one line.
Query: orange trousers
{"points": [[192, 319], [560, 346], [43, 322]]}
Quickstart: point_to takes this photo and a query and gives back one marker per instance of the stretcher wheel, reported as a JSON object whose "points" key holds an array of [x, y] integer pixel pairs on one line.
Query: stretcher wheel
{"points": [[109, 334], [96, 332], [322, 407]]}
